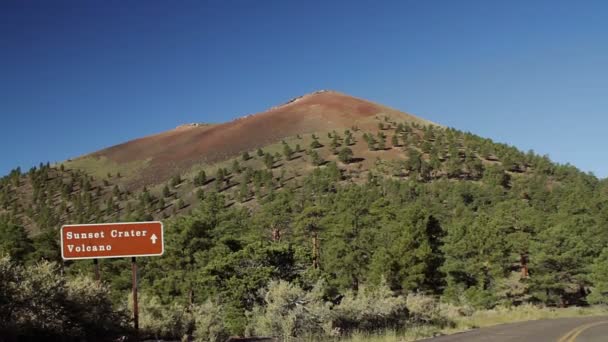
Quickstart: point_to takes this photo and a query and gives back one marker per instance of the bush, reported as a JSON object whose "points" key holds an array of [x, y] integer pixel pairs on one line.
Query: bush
{"points": [[204, 322], [89, 303], [425, 309], [291, 312], [209, 324], [9, 290], [160, 321], [38, 301], [371, 309]]}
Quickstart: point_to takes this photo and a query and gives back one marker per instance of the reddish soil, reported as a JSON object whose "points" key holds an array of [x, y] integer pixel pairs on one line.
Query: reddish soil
{"points": [[179, 149]]}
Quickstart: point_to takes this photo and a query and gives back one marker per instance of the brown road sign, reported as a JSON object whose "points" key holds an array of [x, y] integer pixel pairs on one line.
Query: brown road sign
{"points": [[112, 240]]}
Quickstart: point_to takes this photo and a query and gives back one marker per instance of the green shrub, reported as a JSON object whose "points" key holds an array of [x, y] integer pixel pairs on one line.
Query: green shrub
{"points": [[38, 301], [425, 310], [291, 312], [370, 309], [208, 322], [160, 321], [89, 304]]}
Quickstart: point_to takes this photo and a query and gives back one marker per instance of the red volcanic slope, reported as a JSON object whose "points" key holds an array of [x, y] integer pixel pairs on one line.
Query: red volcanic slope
{"points": [[181, 148]]}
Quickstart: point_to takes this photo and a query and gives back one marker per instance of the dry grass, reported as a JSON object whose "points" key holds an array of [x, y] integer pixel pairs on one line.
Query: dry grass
{"points": [[478, 319], [99, 167], [486, 318]]}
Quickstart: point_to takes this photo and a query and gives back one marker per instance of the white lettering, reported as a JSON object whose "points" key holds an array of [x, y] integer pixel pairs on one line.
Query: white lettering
{"points": [[91, 235], [128, 233], [89, 248]]}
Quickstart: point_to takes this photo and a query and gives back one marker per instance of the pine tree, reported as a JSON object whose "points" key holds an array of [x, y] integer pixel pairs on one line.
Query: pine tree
{"points": [[477, 257], [236, 167], [371, 142], [315, 158], [287, 151], [309, 221], [176, 180], [269, 160], [395, 141], [599, 279], [201, 178], [559, 258], [315, 143], [414, 160], [14, 241], [381, 141], [244, 193], [345, 155], [348, 140]]}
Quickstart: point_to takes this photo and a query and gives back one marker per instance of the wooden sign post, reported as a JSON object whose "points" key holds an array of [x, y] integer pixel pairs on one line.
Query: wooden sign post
{"points": [[114, 240]]}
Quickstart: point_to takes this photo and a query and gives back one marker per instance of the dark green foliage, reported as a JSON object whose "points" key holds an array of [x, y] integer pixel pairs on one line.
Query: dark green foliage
{"points": [[315, 143], [315, 158], [599, 278], [176, 180], [287, 151], [269, 160], [371, 141], [236, 167], [200, 194], [381, 141], [335, 143], [244, 192], [453, 215], [116, 191], [46, 246], [496, 175], [345, 155], [395, 141], [200, 178], [414, 160], [14, 241], [220, 176], [348, 140]]}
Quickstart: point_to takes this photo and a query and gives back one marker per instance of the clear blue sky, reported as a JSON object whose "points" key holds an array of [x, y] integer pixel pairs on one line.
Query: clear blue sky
{"points": [[78, 76]]}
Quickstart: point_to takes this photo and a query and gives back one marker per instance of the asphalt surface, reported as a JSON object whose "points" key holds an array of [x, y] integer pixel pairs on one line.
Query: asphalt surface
{"points": [[581, 329]]}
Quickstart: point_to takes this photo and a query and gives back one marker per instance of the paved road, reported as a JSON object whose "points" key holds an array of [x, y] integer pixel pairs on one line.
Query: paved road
{"points": [[585, 329]]}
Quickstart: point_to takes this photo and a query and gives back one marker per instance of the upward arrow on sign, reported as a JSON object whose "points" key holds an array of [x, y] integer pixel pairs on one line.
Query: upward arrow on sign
{"points": [[153, 238]]}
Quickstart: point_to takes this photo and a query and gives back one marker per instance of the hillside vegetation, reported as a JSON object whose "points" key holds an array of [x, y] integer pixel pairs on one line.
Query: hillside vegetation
{"points": [[387, 225]]}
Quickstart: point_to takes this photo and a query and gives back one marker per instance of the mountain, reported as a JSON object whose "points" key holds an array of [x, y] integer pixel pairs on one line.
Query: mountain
{"points": [[166, 174], [337, 203], [157, 157]]}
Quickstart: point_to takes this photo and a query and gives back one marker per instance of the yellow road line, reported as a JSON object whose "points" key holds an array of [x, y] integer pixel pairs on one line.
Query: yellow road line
{"points": [[573, 334]]}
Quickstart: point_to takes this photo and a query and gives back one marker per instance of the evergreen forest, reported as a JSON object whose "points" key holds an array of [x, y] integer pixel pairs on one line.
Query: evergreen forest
{"points": [[449, 220]]}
